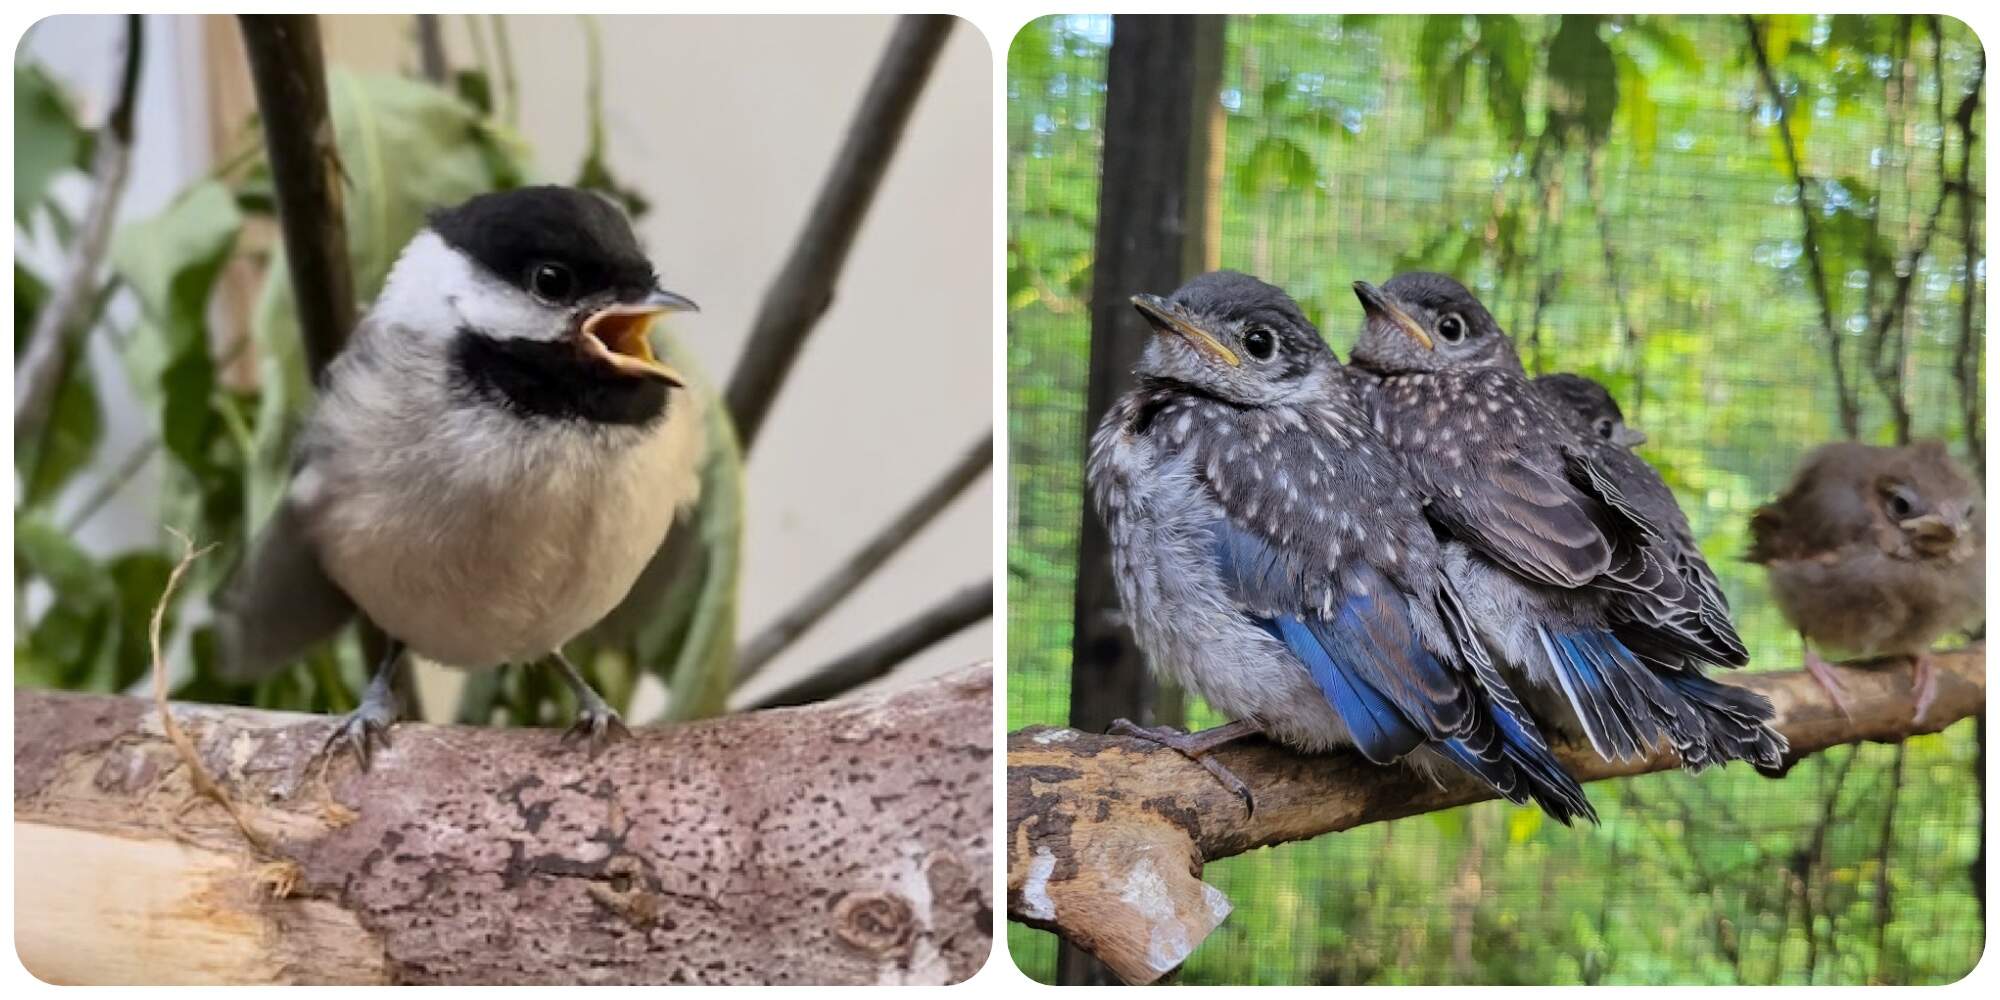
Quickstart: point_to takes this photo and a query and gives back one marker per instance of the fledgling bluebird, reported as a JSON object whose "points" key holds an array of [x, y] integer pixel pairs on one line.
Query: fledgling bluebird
{"points": [[1571, 584], [1599, 424], [1272, 559], [1875, 552]]}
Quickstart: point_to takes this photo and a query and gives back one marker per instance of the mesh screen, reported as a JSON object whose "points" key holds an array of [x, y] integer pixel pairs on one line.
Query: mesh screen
{"points": [[1668, 261]]}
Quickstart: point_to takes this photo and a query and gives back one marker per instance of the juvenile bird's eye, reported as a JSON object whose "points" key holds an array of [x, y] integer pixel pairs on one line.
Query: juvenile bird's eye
{"points": [[1902, 503], [1452, 327], [552, 282], [1605, 428], [1259, 342]]}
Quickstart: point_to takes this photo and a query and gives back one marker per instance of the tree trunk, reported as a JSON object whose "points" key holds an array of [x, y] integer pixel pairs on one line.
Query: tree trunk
{"points": [[846, 842]]}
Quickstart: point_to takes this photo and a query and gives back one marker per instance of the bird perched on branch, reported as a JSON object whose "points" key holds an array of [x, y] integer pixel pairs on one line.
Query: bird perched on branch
{"points": [[1577, 577], [495, 455], [1272, 558], [1601, 432], [1875, 552]]}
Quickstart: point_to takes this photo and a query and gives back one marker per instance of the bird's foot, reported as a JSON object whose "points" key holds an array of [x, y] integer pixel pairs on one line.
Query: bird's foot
{"points": [[1822, 672], [1923, 683], [368, 724], [1197, 747], [597, 726]]}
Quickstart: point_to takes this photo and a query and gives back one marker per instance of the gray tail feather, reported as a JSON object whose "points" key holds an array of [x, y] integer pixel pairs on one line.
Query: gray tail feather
{"points": [[277, 604]]}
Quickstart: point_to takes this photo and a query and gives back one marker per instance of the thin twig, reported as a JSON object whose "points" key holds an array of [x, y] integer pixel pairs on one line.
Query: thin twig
{"points": [[1850, 407], [52, 341], [430, 49], [509, 86], [804, 287], [1884, 907], [780, 634], [877, 657], [198, 775]]}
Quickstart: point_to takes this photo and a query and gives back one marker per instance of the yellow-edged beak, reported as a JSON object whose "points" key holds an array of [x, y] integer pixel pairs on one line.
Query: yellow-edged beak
{"points": [[1167, 318], [1376, 302], [619, 335]]}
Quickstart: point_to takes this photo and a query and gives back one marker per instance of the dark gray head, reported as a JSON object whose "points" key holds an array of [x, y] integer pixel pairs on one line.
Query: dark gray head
{"points": [[1589, 408], [552, 271], [1235, 337], [1426, 322]]}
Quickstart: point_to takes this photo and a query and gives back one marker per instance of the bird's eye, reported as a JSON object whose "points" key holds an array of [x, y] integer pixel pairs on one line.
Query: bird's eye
{"points": [[1452, 328], [552, 282], [1605, 429], [1902, 503], [1259, 342]]}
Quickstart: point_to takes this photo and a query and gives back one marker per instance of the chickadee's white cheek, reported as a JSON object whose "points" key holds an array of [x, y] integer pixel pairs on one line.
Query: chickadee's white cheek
{"points": [[434, 289]]}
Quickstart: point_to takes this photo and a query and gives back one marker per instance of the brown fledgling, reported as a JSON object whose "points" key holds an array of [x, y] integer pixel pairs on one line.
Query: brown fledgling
{"points": [[1874, 553]]}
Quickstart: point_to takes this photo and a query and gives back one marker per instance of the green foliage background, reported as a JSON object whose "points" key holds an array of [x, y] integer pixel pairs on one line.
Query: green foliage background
{"points": [[1616, 190]]}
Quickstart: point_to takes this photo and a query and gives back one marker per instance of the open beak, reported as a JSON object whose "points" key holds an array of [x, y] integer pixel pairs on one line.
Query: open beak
{"points": [[1628, 436], [1167, 318], [618, 334], [1377, 304]]}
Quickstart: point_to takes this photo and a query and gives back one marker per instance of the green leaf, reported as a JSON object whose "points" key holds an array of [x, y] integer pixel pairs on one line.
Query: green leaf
{"points": [[75, 427], [1583, 77], [1509, 62], [45, 551], [172, 262], [47, 138], [30, 294]]}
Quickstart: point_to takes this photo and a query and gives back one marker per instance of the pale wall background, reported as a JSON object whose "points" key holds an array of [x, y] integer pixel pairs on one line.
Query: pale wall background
{"points": [[726, 124]]}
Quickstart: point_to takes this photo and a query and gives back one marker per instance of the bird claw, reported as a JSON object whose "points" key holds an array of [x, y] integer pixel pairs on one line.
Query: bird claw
{"points": [[1191, 746], [1828, 682], [599, 727], [1924, 684], [368, 723]]}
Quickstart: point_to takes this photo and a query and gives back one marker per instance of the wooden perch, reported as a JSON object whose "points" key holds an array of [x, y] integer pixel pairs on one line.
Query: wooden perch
{"points": [[847, 842], [1106, 835]]}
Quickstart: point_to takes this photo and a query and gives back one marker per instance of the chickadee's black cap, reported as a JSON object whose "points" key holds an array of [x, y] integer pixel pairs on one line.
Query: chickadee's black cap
{"points": [[510, 232]]}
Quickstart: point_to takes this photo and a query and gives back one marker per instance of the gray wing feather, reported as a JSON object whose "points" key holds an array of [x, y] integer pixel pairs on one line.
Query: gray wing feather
{"points": [[278, 604]]}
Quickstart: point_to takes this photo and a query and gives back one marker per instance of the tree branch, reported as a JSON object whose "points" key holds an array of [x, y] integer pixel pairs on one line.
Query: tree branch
{"points": [[878, 656], [804, 288], [289, 71], [46, 361], [1850, 407], [1090, 817], [780, 634], [808, 845]]}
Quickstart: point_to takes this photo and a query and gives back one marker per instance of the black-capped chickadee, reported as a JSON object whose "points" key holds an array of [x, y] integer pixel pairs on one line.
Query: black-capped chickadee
{"points": [[494, 457]]}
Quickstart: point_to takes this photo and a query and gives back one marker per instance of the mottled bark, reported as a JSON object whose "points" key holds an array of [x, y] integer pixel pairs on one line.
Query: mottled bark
{"points": [[846, 842], [1106, 835]]}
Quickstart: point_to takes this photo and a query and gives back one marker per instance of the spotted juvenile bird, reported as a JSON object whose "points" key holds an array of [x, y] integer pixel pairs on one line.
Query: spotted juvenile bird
{"points": [[1572, 584], [494, 456], [1272, 559], [1601, 432], [1875, 552]]}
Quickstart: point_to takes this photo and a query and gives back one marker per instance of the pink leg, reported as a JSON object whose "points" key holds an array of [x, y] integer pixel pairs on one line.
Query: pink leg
{"points": [[1924, 682], [1823, 673]]}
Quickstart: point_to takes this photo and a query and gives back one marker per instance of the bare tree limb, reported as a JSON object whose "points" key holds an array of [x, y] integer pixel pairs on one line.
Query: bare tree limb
{"points": [[878, 656], [430, 50], [1089, 816], [1850, 407], [824, 597], [46, 361], [289, 71], [804, 288], [841, 843]]}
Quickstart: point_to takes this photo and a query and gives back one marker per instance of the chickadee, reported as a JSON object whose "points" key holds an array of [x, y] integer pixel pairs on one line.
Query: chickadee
{"points": [[495, 456]]}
